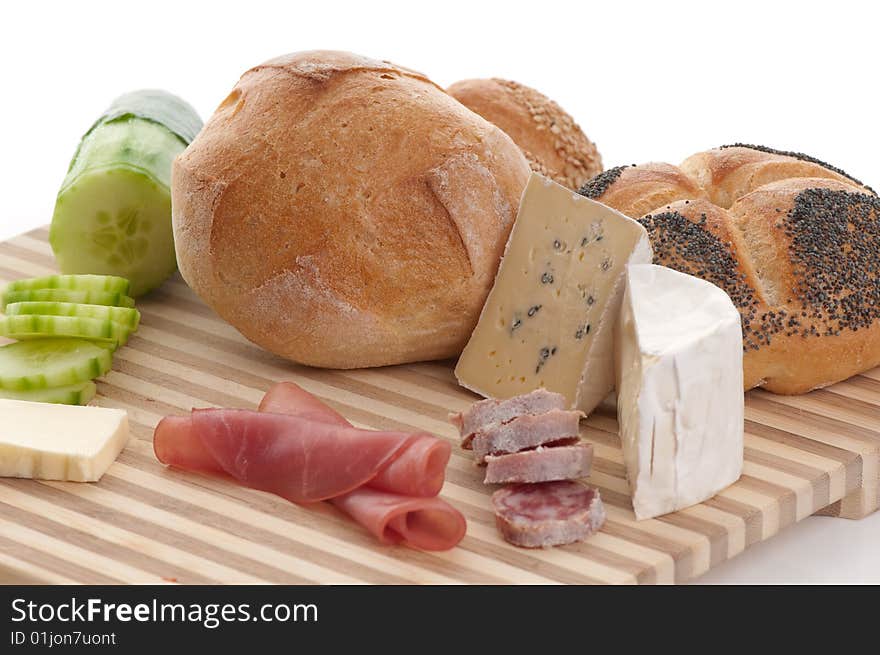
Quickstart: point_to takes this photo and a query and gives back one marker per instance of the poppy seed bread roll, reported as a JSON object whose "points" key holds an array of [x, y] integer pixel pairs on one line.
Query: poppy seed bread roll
{"points": [[794, 242], [636, 190], [730, 172], [345, 212]]}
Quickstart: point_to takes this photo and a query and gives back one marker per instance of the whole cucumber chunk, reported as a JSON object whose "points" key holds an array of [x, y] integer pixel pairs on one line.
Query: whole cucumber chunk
{"points": [[113, 212]]}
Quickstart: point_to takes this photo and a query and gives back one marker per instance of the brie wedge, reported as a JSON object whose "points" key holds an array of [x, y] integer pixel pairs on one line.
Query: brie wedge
{"points": [[680, 395]]}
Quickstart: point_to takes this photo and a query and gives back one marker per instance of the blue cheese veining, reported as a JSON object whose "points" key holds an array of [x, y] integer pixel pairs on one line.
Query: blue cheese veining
{"points": [[548, 320]]}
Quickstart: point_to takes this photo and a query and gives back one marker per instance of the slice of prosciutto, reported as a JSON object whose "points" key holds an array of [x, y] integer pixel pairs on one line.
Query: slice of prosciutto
{"points": [[418, 469], [382, 479], [424, 523], [421, 522], [304, 461]]}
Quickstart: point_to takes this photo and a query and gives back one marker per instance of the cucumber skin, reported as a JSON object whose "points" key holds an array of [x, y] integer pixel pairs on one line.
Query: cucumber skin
{"points": [[71, 394], [142, 132], [158, 106], [169, 112], [132, 143], [66, 295], [39, 326], [126, 316], [92, 366]]}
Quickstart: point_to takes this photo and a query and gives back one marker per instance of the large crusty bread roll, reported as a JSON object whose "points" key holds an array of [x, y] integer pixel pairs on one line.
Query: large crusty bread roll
{"points": [[551, 140], [345, 212], [798, 255]]}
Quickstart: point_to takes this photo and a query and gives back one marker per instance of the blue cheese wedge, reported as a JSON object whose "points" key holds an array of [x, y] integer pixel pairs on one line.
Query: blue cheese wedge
{"points": [[549, 319], [59, 442], [680, 389]]}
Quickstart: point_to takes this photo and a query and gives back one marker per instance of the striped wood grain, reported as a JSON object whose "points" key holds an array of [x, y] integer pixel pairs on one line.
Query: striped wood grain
{"points": [[144, 523]]}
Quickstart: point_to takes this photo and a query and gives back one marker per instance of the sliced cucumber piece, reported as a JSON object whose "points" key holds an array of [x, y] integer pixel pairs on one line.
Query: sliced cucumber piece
{"points": [[68, 295], [38, 326], [111, 283], [44, 363], [127, 316], [113, 212], [112, 346], [71, 394]]}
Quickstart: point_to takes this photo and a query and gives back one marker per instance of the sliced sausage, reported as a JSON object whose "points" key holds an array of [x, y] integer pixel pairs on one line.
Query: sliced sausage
{"points": [[557, 426], [540, 465], [548, 513], [486, 413]]}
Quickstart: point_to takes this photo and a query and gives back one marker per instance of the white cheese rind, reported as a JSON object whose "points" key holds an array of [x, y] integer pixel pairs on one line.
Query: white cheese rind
{"points": [[59, 442], [680, 389], [548, 320]]}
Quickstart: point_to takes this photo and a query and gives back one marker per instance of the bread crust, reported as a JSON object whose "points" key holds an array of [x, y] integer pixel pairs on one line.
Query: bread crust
{"points": [[816, 345], [787, 349], [795, 243], [702, 239], [636, 190], [361, 225], [551, 140], [729, 173]]}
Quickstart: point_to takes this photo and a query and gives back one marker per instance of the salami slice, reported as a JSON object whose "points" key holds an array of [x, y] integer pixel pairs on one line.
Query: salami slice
{"points": [[486, 413], [540, 465], [548, 513], [557, 427]]}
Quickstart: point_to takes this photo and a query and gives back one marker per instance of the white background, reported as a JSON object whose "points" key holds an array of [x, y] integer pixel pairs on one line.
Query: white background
{"points": [[646, 81]]}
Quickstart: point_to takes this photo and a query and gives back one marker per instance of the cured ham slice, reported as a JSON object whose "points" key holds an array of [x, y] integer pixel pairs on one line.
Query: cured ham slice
{"points": [[290, 398], [424, 523], [418, 470], [301, 460], [304, 451]]}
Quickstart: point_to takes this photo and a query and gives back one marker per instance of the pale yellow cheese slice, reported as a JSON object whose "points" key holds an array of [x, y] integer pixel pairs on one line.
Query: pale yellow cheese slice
{"points": [[59, 442]]}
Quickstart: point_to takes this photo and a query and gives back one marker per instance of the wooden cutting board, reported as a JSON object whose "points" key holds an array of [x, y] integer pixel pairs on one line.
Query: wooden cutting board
{"points": [[145, 523]]}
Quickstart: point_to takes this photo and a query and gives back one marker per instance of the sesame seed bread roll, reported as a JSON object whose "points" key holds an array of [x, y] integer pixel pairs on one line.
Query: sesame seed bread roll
{"points": [[730, 172], [551, 140], [636, 190], [345, 212]]}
